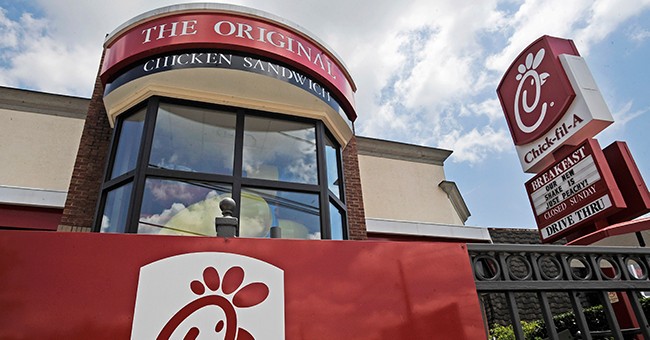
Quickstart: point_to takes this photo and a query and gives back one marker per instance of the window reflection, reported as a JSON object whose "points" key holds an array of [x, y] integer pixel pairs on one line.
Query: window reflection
{"points": [[295, 213], [196, 147], [128, 144], [279, 150], [180, 207], [336, 223], [115, 210], [193, 139], [333, 181]]}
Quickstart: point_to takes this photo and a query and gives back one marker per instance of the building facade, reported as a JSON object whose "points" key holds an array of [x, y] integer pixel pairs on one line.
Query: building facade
{"points": [[194, 103]]}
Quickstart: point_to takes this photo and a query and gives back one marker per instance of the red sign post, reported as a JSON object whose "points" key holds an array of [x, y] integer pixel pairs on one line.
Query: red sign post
{"points": [[552, 104], [553, 108], [550, 99], [535, 91], [577, 189]]}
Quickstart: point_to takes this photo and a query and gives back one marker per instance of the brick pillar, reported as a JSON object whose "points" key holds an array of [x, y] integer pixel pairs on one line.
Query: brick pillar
{"points": [[88, 171], [353, 193]]}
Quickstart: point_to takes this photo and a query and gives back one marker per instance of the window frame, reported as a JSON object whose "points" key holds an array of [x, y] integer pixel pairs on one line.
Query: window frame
{"points": [[143, 171]]}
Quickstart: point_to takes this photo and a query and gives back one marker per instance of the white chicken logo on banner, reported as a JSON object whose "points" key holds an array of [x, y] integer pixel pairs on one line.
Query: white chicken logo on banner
{"points": [[209, 296]]}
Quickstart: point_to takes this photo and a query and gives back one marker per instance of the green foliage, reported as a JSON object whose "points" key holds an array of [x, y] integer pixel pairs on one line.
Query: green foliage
{"points": [[595, 317], [536, 330], [498, 332], [645, 304]]}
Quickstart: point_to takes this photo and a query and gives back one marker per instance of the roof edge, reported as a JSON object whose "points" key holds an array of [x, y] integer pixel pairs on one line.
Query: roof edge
{"points": [[401, 151]]}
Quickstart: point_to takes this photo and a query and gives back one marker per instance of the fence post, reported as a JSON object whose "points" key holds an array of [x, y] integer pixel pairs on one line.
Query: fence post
{"points": [[227, 225], [276, 232]]}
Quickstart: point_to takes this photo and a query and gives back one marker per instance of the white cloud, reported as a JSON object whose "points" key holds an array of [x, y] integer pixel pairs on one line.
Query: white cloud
{"points": [[605, 17], [639, 35], [32, 58], [426, 70], [9, 30], [169, 190], [625, 114], [490, 107], [158, 219], [586, 22], [477, 144], [622, 116], [532, 20]]}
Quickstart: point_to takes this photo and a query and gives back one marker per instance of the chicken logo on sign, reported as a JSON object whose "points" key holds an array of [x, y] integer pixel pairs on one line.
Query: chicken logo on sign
{"points": [[529, 70], [535, 91], [209, 296]]}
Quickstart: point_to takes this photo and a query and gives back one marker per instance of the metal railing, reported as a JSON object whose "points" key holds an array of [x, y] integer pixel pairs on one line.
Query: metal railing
{"points": [[613, 278]]}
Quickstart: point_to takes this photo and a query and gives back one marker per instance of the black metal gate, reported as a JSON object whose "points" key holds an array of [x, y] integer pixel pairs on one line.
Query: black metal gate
{"points": [[569, 292]]}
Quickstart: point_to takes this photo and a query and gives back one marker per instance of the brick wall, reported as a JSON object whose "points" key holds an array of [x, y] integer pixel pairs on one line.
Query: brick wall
{"points": [[496, 307], [517, 236], [353, 193], [88, 171]]}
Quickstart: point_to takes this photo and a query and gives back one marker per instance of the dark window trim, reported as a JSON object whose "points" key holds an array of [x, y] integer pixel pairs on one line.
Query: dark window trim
{"points": [[344, 217], [143, 171], [321, 162], [238, 167], [338, 202], [143, 163], [193, 176], [108, 171], [118, 181]]}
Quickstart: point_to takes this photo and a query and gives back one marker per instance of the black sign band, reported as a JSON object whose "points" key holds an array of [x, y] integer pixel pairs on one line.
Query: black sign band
{"points": [[225, 60]]}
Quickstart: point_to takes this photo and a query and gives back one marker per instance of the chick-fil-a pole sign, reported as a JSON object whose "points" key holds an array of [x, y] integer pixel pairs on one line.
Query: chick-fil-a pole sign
{"points": [[228, 31], [550, 99]]}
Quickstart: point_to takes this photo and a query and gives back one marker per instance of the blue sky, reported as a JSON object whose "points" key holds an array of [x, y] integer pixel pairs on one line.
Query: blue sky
{"points": [[426, 70]]}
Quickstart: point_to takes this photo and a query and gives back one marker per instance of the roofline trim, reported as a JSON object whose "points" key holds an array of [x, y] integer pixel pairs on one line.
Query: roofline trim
{"points": [[401, 151], [396, 227]]}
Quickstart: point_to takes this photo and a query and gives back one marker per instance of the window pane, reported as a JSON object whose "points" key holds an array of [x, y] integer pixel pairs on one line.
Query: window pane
{"points": [[116, 208], [193, 139], [337, 223], [128, 144], [333, 182], [295, 213], [279, 150], [180, 207]]}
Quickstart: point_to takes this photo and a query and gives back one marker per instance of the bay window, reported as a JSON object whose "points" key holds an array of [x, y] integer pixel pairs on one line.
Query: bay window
{"points": [[173, 161]]}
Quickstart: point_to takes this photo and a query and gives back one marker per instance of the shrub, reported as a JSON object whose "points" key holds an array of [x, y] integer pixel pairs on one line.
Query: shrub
{"points": [[498, 332], [536, 330]]}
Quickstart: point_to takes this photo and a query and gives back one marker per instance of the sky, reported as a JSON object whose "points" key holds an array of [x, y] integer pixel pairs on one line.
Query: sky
{"points": [[426, 71]]}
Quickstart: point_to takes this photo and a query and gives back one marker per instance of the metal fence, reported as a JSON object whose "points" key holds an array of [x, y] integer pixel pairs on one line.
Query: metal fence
{"points": [[564, 281]]}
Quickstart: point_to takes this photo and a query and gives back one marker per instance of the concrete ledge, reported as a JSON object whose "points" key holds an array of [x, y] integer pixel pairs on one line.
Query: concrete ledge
{"points": [[44, 103], [32, 197], [401, 151], [67, 228], [427, 229], [456, 199]]}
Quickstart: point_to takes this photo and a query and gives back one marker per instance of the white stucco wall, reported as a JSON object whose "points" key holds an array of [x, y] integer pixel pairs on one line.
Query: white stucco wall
{"points": [[37, 150], [405, 190]]}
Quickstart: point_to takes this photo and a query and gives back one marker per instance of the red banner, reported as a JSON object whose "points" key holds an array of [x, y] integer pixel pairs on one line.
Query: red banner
{"points": [[117, 286]]}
